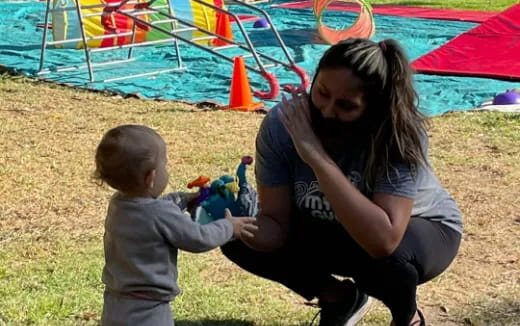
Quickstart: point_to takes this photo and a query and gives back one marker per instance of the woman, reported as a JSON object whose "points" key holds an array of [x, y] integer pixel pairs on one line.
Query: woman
{"points": [[345, 188]]}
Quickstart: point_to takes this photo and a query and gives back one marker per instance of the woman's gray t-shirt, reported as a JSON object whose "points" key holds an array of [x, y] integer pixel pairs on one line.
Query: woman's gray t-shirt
{"points": [[278, 163]]}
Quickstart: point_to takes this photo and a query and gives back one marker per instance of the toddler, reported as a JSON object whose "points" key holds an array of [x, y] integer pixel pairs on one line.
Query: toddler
{"points": [[143, 232]]}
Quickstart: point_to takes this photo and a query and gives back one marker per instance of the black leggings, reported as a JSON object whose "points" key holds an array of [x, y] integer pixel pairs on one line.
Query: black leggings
{"points": [[316, 249]]}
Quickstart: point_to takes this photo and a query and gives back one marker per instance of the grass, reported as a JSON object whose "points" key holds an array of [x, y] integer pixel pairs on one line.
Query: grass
{"points": [[51, 213]]}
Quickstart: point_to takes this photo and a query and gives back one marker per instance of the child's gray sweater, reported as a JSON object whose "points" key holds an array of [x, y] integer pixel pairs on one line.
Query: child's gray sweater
{"points": [[142, 237]]}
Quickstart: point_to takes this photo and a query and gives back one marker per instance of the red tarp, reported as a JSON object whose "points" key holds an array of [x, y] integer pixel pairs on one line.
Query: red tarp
{"points": [[404, 11], [490, 50]]}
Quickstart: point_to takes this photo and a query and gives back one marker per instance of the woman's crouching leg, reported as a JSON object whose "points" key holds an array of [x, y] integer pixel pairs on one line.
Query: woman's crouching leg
{"points": [[292, 268]]}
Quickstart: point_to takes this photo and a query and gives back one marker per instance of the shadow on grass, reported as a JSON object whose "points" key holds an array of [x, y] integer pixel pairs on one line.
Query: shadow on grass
{"points": [[211, 322]]}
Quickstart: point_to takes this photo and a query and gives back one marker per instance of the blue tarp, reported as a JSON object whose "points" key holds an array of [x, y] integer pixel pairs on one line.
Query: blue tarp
{"points": [[208, 77]]}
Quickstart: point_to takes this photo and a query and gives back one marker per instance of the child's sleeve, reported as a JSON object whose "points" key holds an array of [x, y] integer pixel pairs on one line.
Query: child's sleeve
{"points": [[180, 199], [181, 232]]}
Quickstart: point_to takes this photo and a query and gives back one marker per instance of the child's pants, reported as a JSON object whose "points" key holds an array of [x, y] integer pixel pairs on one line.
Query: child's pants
{"points": [[119, 310]]}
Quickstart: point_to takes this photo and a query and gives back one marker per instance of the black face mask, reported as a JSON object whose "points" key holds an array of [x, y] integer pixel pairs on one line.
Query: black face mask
{"points": [[329, 127]]}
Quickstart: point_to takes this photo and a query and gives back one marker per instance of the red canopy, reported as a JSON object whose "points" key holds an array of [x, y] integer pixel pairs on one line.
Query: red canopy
{"points": [[491, 50]]}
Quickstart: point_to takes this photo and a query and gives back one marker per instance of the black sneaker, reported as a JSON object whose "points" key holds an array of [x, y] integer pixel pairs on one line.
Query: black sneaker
{"points": [[342, 313]]}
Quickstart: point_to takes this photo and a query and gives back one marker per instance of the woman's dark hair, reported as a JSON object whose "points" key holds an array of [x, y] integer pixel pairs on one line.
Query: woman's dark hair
{"points": [[124, 156], [394, 122]]}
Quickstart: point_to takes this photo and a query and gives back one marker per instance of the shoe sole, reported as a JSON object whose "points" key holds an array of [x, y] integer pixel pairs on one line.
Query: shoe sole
{"points": [[363, 310]]}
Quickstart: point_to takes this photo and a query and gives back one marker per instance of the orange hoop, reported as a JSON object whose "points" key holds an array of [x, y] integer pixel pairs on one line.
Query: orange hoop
{"points": [[364, 25]]}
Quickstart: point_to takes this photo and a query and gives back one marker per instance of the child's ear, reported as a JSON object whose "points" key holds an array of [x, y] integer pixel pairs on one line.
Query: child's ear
{"points": [[149, 179]]}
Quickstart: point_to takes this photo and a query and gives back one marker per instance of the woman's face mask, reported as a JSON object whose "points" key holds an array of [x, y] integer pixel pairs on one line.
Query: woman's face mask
{"points": [[327, 127]]}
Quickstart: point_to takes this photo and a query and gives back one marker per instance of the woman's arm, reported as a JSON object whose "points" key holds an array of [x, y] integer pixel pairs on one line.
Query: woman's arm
{"points": [[272, 220], [378, 225]]}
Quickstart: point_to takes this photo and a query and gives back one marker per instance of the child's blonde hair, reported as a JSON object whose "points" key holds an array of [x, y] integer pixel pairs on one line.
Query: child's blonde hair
{"points": [[125, 155]]}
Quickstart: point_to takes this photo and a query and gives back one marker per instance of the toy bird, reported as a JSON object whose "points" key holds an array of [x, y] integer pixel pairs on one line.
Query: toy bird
{"points": [[234, 193]]}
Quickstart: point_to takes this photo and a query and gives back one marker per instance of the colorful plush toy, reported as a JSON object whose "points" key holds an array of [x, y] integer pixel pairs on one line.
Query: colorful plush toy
{"points": [[234, 193]]}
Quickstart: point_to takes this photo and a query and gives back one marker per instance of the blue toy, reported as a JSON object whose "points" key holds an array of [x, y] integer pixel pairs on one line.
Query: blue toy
{"points": [[234, 193], [507, 98], [261, 23]]}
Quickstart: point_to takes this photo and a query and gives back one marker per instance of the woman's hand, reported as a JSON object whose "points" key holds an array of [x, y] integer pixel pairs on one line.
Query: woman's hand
{"points": [[296, 118]]}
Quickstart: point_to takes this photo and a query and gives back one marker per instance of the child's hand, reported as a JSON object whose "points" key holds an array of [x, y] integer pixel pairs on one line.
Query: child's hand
{"points": [[243, 227]]}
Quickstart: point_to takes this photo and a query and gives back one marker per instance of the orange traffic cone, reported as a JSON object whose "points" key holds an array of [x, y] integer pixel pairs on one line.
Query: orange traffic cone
{"points": [[223, 29], [240, 98]]}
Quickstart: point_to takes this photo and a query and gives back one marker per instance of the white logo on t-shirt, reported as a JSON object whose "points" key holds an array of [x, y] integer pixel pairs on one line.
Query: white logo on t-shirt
{"points": [[311, 200]]}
